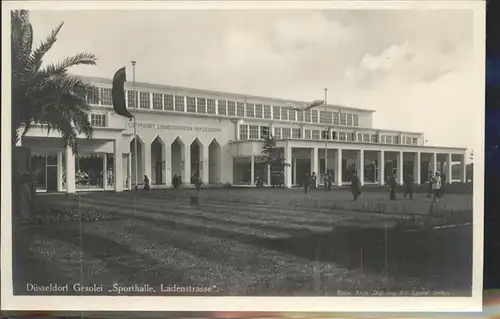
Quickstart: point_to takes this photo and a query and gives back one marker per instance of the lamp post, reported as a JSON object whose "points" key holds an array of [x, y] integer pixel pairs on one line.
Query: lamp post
{"points": [[134, 99]]}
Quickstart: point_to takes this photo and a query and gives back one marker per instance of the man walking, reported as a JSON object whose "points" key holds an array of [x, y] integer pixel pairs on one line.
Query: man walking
{"points": [[436, 187], [408, 182], [391, 183], [355, 186], [306, 183]]}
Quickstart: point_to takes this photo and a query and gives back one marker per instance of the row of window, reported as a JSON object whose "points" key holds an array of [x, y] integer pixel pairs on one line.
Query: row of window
{"points": [[253, 132], [256, 132], [169, 102]]}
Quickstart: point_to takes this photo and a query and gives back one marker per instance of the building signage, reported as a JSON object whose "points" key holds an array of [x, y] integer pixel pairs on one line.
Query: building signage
{"points": [[175, 127]]}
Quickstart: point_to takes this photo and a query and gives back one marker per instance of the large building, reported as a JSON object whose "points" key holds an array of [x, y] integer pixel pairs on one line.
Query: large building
{"points": [[184, 131]]}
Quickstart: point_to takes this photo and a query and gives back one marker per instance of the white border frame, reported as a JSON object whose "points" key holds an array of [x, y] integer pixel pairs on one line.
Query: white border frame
{"points": [[94, 303]]}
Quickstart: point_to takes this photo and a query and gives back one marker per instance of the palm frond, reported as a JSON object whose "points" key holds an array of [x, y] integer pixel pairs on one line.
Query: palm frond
{"points": [[36, 57]]}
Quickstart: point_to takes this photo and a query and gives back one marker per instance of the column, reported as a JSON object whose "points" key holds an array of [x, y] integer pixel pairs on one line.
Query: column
{"points": [[59, 171], [237, 138], [400, 167], [205, 164], [117, 166], [381, 168], [288, 169], [464, 170], [252, 170], [167, 160], [314, 161], [130, 171], [416, 168], [146, 160], [294, 167], [449, 172], [70, 171], [433, 162], [338, 171], [186, 176], [361, 166]]}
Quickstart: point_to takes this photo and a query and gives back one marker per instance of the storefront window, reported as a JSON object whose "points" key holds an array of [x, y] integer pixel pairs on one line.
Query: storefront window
{"points": [[241, 171], [260, 170], [89, 171]]}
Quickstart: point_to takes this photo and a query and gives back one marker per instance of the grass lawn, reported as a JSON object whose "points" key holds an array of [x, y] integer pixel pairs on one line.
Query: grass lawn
{"points": [[252, 242]]}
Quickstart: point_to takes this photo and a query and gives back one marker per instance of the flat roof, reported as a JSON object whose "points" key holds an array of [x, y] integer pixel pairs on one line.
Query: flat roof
{"points": [[286, 102]]}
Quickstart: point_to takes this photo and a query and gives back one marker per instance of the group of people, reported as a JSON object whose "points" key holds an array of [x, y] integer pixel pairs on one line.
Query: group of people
{"points": [[176, 182], [436, 181], [310, 182]]}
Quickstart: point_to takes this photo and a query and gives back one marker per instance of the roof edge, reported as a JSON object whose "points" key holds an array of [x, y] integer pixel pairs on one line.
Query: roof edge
{"points": [[235, 95]]}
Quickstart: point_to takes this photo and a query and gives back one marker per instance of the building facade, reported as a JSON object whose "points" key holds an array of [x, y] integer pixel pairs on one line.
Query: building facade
{"points": [[218, 136]]}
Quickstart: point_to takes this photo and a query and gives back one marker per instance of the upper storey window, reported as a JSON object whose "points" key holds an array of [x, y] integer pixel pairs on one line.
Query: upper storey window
{"points": [[106, 96], [179, 103], [144, 100], [93, 96]]}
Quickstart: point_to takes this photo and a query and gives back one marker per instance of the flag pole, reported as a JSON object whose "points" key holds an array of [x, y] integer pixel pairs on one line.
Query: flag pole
{"points": [[326, 136], [134, 98]]}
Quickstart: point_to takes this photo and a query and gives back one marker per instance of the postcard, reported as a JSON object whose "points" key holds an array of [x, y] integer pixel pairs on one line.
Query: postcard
{"points": [[243, 156]]}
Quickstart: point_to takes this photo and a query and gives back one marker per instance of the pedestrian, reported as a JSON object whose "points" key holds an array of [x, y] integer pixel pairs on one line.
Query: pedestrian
{"points": [[355, 186], [197, 182], [330, 181], [146, 182], [314, 179], [306, 183], [436, 187], [391, 183], [408, 182], [326, 182]]}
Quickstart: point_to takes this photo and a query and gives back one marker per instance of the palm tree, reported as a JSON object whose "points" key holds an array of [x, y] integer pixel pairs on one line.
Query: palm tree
{"points": [[46, 95]]}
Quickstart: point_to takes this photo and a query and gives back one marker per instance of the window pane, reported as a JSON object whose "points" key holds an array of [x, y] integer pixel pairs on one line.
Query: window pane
{"points": [[250, 110], [190, 104], [276, 113], [254, 132], [258, 111], [169, 102], [222, 107], [267, 111], [210, 106], [231, 108], [132, 99], [201, 107], [240, 109], [179, 103], [157, 101], [144, 100], [106, 96]]}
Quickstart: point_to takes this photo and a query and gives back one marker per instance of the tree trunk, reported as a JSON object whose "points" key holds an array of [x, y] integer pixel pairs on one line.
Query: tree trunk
{"points": [[23, 186]]}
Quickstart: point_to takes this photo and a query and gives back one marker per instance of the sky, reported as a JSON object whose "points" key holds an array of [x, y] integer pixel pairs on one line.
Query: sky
{"points": [[412, 67]]}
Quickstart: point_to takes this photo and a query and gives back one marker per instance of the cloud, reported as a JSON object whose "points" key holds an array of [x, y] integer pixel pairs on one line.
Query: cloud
{"points": [[410, 63]]}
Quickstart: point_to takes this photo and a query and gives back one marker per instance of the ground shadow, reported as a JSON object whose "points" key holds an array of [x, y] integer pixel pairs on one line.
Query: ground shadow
{"points": [[443, 256]]}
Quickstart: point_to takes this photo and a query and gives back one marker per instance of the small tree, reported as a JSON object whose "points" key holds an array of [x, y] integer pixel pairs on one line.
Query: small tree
{"points": [[273, 157]]}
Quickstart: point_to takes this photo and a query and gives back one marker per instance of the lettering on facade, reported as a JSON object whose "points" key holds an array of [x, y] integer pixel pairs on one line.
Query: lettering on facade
{"points": [[175, 127]]}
